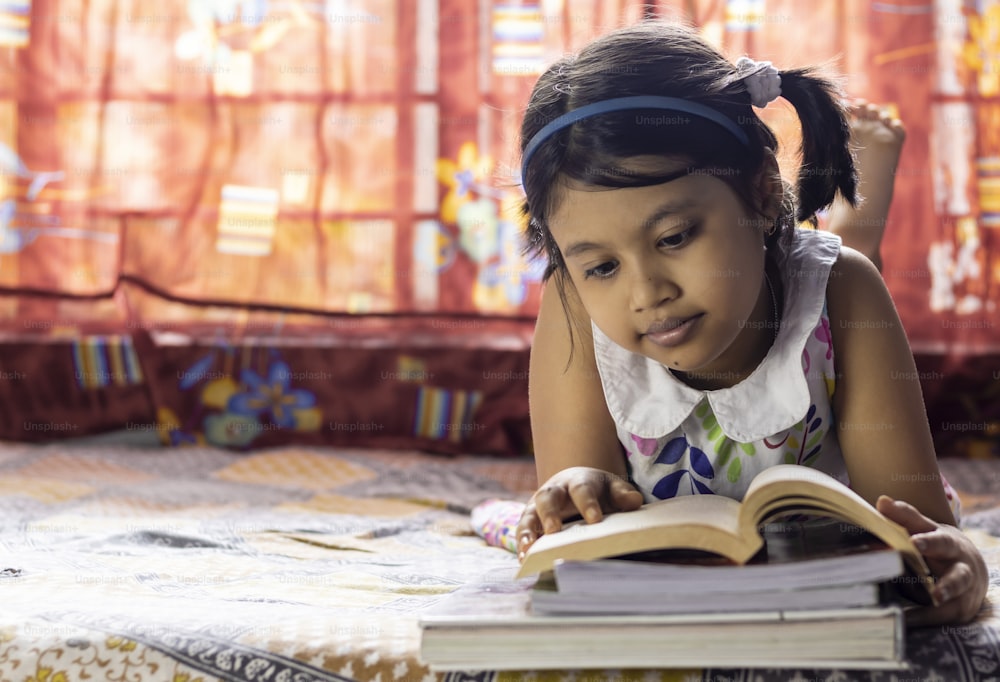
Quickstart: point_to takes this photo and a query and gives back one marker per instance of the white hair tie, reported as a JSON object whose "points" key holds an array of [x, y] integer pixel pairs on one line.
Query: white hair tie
{"points": [[764, 85]]}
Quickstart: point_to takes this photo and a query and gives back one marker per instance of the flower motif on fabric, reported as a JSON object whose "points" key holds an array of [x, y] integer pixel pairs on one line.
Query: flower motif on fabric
{"points": [[823, 334], [463, 177], [120, 643], [48, 675], [234, 413], [273, 396], [698, 465], [802, 442], [724, 447], [644, 446], [489, 224]]}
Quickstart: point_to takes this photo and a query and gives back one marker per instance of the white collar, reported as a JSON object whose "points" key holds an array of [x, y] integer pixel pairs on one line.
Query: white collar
{"points": [[648, 401]]}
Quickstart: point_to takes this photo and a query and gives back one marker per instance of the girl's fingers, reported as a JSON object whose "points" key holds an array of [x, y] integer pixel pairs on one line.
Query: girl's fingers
{"points": [[938, 544], [957, 602], [586, 493], [586, 499], [528, 530], [959, 609], [550, 500], [960, 587], [956, 582], [557, 501], [961, 582], [624, 497], [905, 515]]}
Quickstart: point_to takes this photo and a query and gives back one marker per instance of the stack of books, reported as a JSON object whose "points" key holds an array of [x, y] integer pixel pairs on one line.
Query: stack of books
{"points": [[804, 573]]}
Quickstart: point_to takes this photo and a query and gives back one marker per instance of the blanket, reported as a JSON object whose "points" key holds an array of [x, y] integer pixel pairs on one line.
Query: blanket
{"points": [[203, 565]]}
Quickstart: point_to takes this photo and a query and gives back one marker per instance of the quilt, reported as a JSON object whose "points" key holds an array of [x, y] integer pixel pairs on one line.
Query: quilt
{"points": [[127, 564]]}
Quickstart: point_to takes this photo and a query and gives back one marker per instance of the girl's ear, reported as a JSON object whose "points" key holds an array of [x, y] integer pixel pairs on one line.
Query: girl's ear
{"points": [[769, 186]]}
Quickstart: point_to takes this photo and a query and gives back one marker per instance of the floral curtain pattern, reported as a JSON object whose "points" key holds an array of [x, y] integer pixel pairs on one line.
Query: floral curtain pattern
{"points": [[359, 156]]}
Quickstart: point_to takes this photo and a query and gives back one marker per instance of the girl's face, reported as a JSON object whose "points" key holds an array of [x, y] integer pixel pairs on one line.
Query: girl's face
{"points": [[674, 272]]}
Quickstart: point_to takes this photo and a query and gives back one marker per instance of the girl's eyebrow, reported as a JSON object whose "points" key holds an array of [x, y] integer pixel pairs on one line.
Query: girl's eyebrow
{"points": [[671, 207]]}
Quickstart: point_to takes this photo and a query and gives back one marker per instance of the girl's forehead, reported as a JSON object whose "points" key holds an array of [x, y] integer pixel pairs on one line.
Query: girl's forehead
{"points": [[579, 205]]}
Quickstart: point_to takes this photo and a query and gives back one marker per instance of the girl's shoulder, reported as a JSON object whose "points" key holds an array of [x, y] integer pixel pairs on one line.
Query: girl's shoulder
{"points": [[862, 316], [852, 287], [807, 251], [819, 261]]}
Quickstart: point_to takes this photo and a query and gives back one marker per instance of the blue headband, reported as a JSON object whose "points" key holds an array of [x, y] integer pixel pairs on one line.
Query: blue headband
{"points": [[624, 103]]}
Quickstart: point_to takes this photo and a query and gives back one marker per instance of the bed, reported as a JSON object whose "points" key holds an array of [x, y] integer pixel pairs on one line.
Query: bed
{"points": [[301, 563]]}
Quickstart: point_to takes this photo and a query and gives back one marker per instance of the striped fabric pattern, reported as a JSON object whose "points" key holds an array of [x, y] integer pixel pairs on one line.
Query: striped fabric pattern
{"points": [[247, 217], [15, 22], [101, 361], [989, 190], [518, 32], [445, 414]]}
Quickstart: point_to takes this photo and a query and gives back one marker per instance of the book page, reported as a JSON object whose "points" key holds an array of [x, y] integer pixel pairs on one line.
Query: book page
{"points": [[813, 539], [791, 485], [702, 522], [792, 488]]}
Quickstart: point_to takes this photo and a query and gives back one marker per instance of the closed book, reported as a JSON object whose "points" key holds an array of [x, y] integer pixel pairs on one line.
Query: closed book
{"points": [[552, 601], [490, 626]]}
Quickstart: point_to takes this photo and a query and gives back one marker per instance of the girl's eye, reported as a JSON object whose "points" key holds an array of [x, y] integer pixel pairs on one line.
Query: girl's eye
{"points": [[678, 239], [602, 271]]}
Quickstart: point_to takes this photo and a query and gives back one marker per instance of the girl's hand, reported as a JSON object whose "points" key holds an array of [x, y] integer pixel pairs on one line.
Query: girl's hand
{"points": [[578, 490], [962, 578]]}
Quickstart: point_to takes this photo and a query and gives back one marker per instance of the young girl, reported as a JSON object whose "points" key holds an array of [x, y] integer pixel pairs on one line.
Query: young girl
{"points": [[698, 337]]}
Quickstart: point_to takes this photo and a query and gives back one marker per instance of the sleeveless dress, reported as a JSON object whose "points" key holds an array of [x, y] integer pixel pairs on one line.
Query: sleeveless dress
{"points": [[681, 440]]}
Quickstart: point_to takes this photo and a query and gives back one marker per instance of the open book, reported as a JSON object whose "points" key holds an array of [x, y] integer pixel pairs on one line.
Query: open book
{"points": [[723, 526]]}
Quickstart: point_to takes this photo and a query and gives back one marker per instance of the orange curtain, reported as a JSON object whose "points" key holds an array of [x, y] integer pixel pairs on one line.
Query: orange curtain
{"points": [[334, 156], [356, 156]]}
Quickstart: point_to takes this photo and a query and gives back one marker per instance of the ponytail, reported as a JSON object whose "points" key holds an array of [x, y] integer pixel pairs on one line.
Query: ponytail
{"points": [[827, 164]]}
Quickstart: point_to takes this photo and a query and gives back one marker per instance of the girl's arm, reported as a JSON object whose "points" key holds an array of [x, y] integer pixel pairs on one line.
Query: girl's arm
{"points": [[577, 453], [885, 438], [570, 422], [878, 405]]}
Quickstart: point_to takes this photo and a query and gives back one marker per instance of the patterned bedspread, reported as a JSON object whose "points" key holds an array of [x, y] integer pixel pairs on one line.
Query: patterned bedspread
{"points": [[293, 565]]}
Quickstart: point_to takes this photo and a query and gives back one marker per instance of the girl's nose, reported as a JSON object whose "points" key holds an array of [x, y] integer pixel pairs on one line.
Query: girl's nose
{"points": [[651, 289]]}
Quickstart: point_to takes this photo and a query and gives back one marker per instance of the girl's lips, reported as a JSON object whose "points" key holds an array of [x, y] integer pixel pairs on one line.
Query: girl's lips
{"points": [[674, 336]]}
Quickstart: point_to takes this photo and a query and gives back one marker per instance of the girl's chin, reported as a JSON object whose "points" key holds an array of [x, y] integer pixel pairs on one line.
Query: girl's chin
{"points": [[673, 363], [693, 371]]}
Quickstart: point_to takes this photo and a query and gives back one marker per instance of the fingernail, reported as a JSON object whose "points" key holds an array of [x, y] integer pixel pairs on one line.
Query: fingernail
{"points": [[550, 526], [943, 594], [525, 539], [520, 555], [920, 544], [590, 514], [899, 504]]}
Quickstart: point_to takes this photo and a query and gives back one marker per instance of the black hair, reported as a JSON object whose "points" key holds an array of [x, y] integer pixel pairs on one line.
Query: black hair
{"points": [[655, 58]]}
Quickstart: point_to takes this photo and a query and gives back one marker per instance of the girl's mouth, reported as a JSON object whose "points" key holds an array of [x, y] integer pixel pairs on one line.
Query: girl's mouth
{"points": [[671, 333]]}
